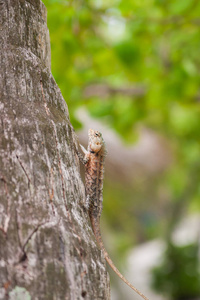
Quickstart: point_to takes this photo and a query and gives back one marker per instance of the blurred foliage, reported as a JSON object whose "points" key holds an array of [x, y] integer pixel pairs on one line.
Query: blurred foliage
{"points": [[178, 276], [129, 63], [150, 45]]}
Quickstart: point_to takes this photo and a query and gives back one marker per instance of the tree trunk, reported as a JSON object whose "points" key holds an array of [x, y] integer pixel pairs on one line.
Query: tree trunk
{"points": [[47, 248]]}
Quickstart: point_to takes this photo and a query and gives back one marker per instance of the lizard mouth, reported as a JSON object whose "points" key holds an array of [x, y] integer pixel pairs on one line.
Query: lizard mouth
{"points": [[96, 145]]}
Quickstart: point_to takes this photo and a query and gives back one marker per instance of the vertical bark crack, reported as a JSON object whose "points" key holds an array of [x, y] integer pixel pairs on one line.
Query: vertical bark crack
{"points": [[23, 168]]}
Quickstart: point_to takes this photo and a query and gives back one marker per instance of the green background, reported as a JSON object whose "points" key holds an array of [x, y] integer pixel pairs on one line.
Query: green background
{"points": [[145, 55]]}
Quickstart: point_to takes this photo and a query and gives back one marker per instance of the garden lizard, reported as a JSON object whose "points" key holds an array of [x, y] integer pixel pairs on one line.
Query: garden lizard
{"points": [[94, 170]]}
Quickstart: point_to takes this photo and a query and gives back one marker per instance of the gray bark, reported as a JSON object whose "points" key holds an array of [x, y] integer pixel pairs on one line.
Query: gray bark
{"points": [[47, 248]]}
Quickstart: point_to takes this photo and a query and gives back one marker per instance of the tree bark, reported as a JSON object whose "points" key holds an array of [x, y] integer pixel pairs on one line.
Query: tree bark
{"points": [[47, 248]]}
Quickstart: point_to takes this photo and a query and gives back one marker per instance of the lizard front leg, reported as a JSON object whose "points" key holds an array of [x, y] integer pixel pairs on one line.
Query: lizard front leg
{"points": [[82, 159]]}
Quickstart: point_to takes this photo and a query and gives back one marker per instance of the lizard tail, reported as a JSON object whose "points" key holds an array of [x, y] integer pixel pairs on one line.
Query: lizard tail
{"points": [[97, 233]]}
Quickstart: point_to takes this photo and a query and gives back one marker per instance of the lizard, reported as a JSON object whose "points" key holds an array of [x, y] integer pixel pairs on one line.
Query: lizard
{"points": [[94, 158]]}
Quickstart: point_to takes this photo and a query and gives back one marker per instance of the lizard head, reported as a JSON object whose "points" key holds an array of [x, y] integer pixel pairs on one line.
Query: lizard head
{"points": [[96, 142]]}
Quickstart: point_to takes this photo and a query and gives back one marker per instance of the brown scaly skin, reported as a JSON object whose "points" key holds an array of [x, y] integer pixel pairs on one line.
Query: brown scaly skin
{"points": [[94, 165]]}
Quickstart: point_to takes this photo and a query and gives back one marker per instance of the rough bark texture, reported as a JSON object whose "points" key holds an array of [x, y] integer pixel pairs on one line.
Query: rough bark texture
{"points": [[47, 249]]}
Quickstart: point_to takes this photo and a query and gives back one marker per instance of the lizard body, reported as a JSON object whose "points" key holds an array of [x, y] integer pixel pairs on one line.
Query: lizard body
{"points": [[94, 169]]}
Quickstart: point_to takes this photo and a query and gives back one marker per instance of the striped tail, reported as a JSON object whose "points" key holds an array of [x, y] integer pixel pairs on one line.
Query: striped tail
{"points": [[97, 233]]}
